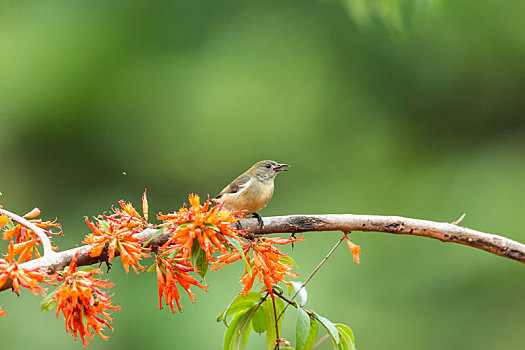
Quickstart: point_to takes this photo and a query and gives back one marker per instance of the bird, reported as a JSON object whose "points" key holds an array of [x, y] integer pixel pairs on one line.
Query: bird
{"points": [[252, 190]]}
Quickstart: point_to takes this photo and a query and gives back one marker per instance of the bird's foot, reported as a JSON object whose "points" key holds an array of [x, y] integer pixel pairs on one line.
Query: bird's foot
{"points": [[259, 219]]}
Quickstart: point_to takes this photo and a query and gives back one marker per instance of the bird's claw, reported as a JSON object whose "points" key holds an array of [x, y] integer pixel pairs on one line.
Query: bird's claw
{"points": [[259, 219]]}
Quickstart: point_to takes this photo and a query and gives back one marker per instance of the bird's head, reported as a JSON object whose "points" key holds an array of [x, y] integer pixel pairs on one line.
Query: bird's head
{"points": [[268, 169]]}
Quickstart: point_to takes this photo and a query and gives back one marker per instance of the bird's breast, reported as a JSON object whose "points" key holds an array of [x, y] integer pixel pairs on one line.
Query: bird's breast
{"points": [[251, 199]]}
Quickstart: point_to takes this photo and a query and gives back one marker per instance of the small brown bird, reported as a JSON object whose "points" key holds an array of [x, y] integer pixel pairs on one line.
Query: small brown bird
{"points": [[252, 190]]}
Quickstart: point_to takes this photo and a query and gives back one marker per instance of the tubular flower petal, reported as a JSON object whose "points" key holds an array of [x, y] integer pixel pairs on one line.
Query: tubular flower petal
{"points": [[117, 231], [208, 226], [267, 263], [28, 278], [85, 307], [355, 250], [172, 268], [2, 312], [3, 220], [19, 234]]}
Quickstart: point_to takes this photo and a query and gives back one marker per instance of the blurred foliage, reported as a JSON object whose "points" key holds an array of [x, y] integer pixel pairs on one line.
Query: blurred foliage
{"points": [[411, 108]]}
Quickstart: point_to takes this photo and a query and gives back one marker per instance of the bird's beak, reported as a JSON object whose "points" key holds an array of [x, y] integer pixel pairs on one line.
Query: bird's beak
{"points": [[281, 167]]}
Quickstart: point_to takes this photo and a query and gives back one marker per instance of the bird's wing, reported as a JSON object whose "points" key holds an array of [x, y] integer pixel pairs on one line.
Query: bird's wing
{"points": [[236, 186]]}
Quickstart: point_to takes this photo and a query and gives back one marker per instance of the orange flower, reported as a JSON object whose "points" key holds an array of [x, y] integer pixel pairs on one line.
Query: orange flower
{"points": [[267, 263], [20, 235], [80, 299], [117, 231], [129, 217], [2, 312], [20, 276], [3, 220], [355, 249], [209, 227], [172, 268], [116, 235]]}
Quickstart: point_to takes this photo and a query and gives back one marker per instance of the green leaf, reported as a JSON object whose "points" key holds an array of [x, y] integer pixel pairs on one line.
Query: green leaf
{"points": [[302, 297], [330, 327], [312, 336], [343, 344], [258, 321], [346, 333], [198, 258], [152, 268], [239, 303], [202, 264], [207, 224], [302, 329], [86, 268], [47, 303], [9, 226], [173, 253], [230, 332], [237, 246], [153, 236], [243, 330], [104, 224], [195, 250], [237, 333], [286, 259]]}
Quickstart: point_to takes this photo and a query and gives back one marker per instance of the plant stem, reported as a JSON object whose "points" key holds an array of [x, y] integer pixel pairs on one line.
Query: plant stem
{"points": [[320, 342], [278, 338]]}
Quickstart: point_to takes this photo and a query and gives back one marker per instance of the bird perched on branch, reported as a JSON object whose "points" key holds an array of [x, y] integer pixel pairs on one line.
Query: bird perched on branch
{"points": [[252, 190]]}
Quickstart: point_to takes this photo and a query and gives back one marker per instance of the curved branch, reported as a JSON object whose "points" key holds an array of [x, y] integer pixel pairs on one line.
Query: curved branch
{"points": [[446, 232], [46, 243]]}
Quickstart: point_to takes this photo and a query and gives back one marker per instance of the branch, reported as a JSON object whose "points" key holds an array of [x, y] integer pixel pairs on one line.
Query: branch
{"points": [[46, 243], [446, 232]]}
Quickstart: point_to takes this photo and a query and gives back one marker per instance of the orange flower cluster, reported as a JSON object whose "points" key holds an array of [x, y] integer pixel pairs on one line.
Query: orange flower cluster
{"points": [[3, 220], [26, 241], [117, 231], [172, 268], [80, 299], [209, 227], [354, 249], [9, 268], [267, 262], [129, 216]]}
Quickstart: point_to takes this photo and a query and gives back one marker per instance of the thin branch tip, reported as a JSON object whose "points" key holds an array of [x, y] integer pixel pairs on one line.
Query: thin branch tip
{"points": [[458, 221]]}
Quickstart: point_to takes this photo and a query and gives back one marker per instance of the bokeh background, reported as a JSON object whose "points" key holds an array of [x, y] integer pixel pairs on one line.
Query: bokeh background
{"points": [[412, 108]]}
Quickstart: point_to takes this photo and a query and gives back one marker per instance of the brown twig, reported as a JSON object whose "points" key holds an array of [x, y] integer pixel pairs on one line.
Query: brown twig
{"points": [[458, 221], [321, 341], [443, 231], [277, 337]]}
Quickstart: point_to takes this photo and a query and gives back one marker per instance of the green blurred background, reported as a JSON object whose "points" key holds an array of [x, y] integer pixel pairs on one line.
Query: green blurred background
{"points": [[412, 108]]}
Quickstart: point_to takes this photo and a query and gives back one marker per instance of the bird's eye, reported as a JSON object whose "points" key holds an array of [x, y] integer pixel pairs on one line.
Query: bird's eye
{"points": [[268, 165]]}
